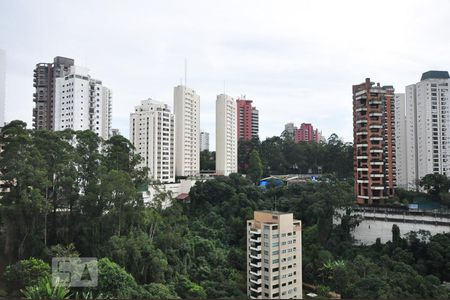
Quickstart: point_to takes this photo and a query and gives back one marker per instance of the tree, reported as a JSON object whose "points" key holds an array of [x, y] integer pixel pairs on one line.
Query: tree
{"points": [[255, 169], [46, 289], [25, 273], [396, 239], [114, 281], [435, 183], [159, 291], [24, 208]]}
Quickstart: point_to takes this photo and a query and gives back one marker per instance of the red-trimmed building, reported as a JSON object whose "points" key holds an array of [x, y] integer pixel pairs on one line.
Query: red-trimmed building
{"points": [[374, 142], [247, 120], [307, 133]]}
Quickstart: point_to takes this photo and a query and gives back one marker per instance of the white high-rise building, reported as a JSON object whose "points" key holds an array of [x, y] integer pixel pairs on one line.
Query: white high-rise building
{"points": [[204, 140], [2, 86], [226, 138], [187, 131], [152, 132], [82, 103], [274, 256], [427, 146], [400, 141]]}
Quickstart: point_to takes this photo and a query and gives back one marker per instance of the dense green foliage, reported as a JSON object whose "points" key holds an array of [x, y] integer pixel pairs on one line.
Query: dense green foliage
{"points": [[72, 194], [207, 160], [281, 155], [255, 168]]}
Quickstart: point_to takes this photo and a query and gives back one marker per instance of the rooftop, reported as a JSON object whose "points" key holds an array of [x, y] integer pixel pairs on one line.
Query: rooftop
{"points": [[274, 212], [435, 75]]}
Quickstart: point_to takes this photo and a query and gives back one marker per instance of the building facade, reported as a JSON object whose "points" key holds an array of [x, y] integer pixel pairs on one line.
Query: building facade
{"points": [[45, 75], [427, 123], [374, 142], [274, 256], [187, 131], [247, 120], [226, 138], [2, 87], [152, 132], [204, 140], [401, 135], [290, 129], [81, 103]]}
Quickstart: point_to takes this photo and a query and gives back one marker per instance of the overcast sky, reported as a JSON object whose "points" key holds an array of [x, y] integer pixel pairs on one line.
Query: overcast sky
{"points": [[296, 59]]}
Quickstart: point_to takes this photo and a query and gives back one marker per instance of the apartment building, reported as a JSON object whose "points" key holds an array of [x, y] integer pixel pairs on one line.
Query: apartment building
{"points": [[247, 120], [45, 75], [81, 103], [401, 135], [152, 132], [187, 131], [204, 140], [290, 129], [274, 256], [226, 138], [2, 87], [427, 123], [374, 142]]}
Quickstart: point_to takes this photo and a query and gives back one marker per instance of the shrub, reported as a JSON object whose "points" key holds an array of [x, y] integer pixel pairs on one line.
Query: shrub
{"points": [[27, 272]]}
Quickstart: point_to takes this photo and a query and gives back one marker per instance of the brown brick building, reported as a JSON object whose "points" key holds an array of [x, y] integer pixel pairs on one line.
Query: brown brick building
{"points": [[44, 83], [374, 142]]}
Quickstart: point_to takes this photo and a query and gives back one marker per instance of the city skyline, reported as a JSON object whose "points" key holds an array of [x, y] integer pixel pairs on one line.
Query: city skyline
{"points": [[275, 58]]}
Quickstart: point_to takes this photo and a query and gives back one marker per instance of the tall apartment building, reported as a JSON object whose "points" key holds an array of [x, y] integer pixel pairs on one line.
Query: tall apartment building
{"points": [[290, 129], [152, 132], [45, 75], [374, 142], [306, 133], [427, 122], [401, 134], [187, 131], [247, 120], [81, 103], [274, 256], [2, 87], [226, 138], [204, 140]]}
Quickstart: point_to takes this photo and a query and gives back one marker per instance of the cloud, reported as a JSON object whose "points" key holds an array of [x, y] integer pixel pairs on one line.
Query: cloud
{"points": [[296, 59]]}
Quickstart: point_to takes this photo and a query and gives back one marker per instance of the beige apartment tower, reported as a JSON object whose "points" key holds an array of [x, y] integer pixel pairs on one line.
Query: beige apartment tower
{"points": [[186, 105], [274, 256]]}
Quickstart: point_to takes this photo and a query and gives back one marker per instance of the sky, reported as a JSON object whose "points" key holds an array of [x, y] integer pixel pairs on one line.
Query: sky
{"points": [[297, 60]]}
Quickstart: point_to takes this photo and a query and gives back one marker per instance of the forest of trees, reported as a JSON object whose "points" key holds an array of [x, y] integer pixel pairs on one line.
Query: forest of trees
{"points": [[281, 155], [72, 194]]}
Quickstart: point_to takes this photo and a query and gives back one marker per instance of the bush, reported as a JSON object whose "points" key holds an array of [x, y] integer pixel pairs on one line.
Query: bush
{"points": [[46, 289], [159, 291], [115, 282], [27, 272]]}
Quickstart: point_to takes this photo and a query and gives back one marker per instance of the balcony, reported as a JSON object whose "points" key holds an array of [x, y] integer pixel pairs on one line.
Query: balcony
{"points": [[378, 188], [377, 175], [255, 264], [362, 181], [256, 289], [256, 256], [255, 239], [255, 272], [361, 109], [375, 114], [361, 145], [362, 157], [375, 102], [361, 121], [256, 281], [255, 231], [362, 169]]}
